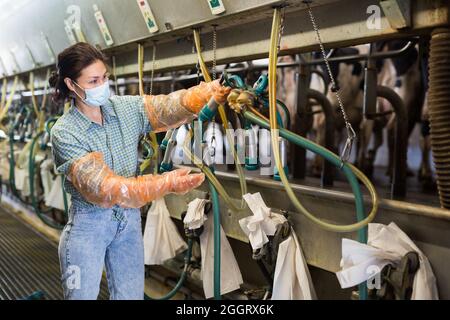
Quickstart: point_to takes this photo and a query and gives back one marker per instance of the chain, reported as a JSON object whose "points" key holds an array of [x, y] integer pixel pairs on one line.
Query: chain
{"points": [[214, 52], [212, 151], [214, 76], [280, 33], [197, 66], [153, 68], [335, 88]]}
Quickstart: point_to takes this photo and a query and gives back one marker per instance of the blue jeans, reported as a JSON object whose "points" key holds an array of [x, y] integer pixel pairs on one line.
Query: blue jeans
{"points": [[96, 238]]}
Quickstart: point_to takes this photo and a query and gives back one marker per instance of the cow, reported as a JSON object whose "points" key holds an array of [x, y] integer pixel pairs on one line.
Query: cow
{"points": [[407, 75]]}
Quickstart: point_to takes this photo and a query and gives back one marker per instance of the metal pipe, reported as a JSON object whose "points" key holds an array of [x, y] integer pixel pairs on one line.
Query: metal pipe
{"points": [[370, 85], [377, 55], [327, 195], [327, 167], [439, 108], [358, 57], [398, 186], [303, 122]]}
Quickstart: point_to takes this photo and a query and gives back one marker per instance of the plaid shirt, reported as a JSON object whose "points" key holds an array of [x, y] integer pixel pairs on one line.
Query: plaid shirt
{"points": [[74, 135]]}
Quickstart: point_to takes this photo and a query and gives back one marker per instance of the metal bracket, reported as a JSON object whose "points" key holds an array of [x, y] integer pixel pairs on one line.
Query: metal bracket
{"points": [[397, 12], [398, 281]]}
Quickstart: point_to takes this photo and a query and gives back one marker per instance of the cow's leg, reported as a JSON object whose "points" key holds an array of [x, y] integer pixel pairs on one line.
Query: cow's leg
{"points": [[378, 141]]}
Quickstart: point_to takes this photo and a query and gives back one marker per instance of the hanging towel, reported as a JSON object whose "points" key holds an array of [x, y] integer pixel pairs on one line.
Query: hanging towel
{"points": [[55, 198], [261, 224], [161, 238], [230, 276], [292, 280], [195, 215], [385, 245], [46, 176]]}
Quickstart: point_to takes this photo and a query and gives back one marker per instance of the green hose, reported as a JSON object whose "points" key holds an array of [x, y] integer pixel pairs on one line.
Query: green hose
{"points": [[12, 166], [287, 114], [187, 261], [280, 120], [49, 124], [66, 204], [217, 245]]}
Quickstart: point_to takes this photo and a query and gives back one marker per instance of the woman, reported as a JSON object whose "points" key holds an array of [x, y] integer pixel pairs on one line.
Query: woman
{"points": [[95, 145]]}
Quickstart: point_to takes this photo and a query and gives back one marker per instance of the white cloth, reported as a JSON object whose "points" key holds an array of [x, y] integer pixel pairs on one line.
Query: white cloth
{"points": [[195, 215], [46, 176], [386, 244], [55, 197], [21, 179], [263, 223], [22, 176], [292, 280], [230, 276], [161, 238]]}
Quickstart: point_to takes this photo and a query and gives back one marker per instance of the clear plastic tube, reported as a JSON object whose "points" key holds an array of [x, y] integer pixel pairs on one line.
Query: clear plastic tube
{"points": [[223, 117]]}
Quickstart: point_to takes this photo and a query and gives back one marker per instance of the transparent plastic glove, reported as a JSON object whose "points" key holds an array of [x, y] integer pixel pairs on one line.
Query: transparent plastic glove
{"points": [[98, 184], [172, 110]]}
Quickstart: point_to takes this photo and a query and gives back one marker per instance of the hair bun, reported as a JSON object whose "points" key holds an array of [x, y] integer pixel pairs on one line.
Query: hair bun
{"points": [[54, 78]]}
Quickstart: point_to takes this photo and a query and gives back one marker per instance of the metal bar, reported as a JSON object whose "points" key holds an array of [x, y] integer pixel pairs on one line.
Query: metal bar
{"points": [[358, 57], [398, 187], [379, 55], [303, 120], [327, 168], [407, 208]]}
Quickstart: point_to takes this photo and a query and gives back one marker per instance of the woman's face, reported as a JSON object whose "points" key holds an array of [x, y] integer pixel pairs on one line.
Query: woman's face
{"points": [[92, 76]]}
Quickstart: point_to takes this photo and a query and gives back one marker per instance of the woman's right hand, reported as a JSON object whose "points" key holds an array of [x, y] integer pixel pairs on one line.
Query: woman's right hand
{"points": [[219, 92]]}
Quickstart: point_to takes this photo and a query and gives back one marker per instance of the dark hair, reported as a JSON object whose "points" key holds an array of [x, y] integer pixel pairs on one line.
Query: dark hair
{"points": [[71, 62]]}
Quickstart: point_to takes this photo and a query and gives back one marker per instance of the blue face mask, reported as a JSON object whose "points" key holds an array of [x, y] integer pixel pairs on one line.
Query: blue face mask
{"points": [[97, 96]]}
